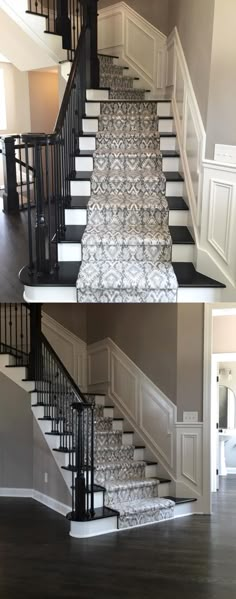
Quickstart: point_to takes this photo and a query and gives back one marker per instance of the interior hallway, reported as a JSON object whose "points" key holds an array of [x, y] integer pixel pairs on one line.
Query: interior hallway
{"points": [[193, 557]]}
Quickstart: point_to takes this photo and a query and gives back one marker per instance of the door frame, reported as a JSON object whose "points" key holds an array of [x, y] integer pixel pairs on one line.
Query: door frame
{"points": [[209, 380]]}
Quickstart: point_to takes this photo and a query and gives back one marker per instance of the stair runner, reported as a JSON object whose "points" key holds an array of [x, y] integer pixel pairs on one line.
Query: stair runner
{"points": [[127, 489], [127, 245]]}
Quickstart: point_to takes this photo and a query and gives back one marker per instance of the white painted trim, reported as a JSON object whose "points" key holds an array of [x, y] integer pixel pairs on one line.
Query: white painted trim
{"points": [[67, 343], [53, 504], [231, 471], [130, 390]]}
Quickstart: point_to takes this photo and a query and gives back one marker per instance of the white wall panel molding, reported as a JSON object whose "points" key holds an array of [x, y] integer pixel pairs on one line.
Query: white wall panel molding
{"points": [[71, 350], [140, 45], [177, 446], [218, 219]]}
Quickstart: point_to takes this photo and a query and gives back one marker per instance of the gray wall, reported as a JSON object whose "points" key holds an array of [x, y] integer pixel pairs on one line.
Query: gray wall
{"points": [[194, 20], [165, 342], [71, 316], [221, 121], [155, 11], [43, 462], [16, 436], [224, 334]]}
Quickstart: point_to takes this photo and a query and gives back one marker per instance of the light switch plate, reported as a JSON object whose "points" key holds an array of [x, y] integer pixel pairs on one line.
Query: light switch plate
{"points": [[190, 417]]}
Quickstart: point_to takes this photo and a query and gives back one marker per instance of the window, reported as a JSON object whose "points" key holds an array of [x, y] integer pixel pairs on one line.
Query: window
{"points": [[3, 115]]}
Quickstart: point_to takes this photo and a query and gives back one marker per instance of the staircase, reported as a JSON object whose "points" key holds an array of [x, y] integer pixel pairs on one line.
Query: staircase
{"points": [[112, 482], [111, 221]]}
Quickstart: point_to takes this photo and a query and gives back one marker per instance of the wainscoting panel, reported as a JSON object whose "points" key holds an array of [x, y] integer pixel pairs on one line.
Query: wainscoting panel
{"points": [[71, 350], [157, 420], [190, 457], [140, 45]]}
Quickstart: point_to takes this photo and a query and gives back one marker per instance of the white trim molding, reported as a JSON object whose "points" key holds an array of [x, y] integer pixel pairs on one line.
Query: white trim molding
{"points": [[176, 446], [53, 504], [138, 44], [71, 349]]}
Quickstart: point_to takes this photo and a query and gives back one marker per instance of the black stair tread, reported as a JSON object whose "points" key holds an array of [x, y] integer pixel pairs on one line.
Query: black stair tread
{"points": [[150, 463], [167, 134], [78, 202], [97, 489], [65, 276], [181, 235], [40, 404], [179, 500], [173, 176], [108, 406], [165, 118], [72, 234], [36, 14], [187, 276], [15, 365], [177, 203], [64, 450], [117, 419], [51, 418], [100, 513], [170, 154], [140, 446], [126, 432], [162, 481], [81, 176], [84, 153], [107, 55]]}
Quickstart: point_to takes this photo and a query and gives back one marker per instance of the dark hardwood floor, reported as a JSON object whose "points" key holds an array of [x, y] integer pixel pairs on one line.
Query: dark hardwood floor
{"points": [[14, 254], [194, 557]]}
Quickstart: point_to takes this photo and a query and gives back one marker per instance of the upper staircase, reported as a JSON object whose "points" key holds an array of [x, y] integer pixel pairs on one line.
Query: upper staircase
{"points": [[113, 481], [111, 221]]}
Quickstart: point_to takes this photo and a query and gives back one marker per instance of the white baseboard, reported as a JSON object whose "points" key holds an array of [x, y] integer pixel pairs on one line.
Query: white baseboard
{"points": [[231, 470], [53, 504]]}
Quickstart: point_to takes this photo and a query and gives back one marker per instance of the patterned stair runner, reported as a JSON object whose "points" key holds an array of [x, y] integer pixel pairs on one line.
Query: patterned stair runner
{"points": [[127, 246], [127, 489]]}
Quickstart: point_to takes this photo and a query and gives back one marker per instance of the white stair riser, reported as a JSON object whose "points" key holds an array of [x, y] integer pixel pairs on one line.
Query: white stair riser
{"points": [[139, 454], [183, 253], [80, 188], [17, 373], [52, 295], [201, 295], [92, 109], [151, 470], [117, 425], [69, 252], [93, 528], [127, 439], [97, 95], [33, 398], [179, 218], [100, 400], [108, 412], [166, 126], [90, 125], [87, 143], [84, 163], [77, 216], [174, 188], [168, 143], [164, 490], [171, 164], [164, 109]]}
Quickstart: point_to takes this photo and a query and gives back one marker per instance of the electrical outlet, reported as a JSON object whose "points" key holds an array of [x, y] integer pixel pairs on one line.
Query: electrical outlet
{"points": [[190, 417], [46, 477]]}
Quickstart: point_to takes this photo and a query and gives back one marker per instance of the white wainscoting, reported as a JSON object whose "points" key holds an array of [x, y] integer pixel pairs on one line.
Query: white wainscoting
{"points": [[71, 350], [176, 446], [218, 217], [188, 122], [140, 45]]}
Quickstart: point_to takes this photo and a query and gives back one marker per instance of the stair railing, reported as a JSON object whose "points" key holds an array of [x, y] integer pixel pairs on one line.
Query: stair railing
{"points": [[63, 17], [70, 411], [14, 169], [50, 159]]}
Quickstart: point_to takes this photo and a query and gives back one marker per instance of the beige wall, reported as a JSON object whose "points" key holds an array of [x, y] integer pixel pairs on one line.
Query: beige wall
{"points": [[194, 20], [44, 100], [72, 317], [224, 334], [43, 462], [221, 122], [165, 341], [155, 11], [16, 436], [190, 348]]}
